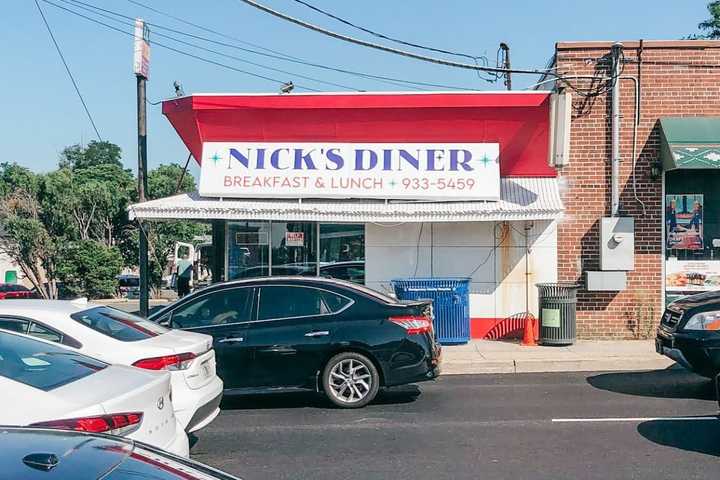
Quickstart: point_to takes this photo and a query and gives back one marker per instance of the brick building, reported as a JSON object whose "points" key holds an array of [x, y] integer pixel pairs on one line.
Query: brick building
{"points": [[675, 79]]}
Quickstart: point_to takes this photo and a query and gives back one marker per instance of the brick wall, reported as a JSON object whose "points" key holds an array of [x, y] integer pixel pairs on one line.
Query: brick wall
{"points": [[669, 87]]}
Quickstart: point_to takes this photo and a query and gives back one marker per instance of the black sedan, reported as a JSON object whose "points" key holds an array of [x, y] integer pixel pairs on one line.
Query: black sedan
{"points": [[689, 333], [36, 453], [288, 333]]}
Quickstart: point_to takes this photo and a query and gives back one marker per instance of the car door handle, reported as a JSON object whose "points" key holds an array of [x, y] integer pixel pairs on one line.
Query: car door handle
{"points": [[318, 333], [231, 340]]}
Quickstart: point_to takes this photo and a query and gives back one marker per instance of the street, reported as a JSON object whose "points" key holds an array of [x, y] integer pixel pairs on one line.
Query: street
{"points": [[481, 426]]}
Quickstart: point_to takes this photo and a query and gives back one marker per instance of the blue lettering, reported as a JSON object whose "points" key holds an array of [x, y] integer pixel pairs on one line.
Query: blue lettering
{"points": [[414, 161], [301, 158], [260, 158], [456, 162], [234, 153], [333, 155], [275, 158], [359, 164], [387, 159], [433, 155]]}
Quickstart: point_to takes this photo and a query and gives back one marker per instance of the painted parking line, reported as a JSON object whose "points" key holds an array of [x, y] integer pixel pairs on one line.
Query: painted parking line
{"points": [[632, 419]]}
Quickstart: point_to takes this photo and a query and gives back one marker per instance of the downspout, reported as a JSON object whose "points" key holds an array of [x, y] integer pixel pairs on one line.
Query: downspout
{"points": [[615, 138]]}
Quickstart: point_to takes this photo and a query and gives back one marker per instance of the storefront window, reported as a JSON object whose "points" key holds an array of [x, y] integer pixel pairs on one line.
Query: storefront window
{"points": [[692, 232], [247, 249], [294, 248], [342, 251]]}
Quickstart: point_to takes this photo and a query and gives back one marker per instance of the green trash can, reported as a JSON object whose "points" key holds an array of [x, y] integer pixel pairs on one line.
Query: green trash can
{"points": [[557, 307]]}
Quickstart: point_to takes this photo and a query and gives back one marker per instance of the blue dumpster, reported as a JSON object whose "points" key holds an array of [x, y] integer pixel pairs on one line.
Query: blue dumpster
{"points": [[451, 304]]}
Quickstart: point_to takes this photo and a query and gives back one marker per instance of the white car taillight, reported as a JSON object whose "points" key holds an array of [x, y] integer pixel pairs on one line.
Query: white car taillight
{"points": [[414, 324], [173, 362], [115, 424]]}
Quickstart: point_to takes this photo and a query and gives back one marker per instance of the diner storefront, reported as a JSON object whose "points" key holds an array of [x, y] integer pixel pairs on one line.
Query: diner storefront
{"points": [[371, 187]]}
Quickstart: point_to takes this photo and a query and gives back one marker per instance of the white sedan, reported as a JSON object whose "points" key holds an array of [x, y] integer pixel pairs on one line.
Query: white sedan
{"points": [[118, 337], [47, 385]]}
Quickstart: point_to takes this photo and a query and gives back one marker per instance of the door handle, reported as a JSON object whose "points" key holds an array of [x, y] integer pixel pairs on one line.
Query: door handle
{"points": [[231, 340], [318, 333]]}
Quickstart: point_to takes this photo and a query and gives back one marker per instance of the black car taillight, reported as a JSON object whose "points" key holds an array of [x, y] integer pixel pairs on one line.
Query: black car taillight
{"points": [[413, 324]]}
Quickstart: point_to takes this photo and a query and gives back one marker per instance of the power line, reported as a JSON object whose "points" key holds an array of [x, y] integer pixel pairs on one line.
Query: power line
{"points": [[215, 52], [383, 48], [279, 55], [385, 37], [67, 69], [181, 52]]}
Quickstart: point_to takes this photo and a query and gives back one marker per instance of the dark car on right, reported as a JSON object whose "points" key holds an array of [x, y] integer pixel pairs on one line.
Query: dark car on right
{"points": [[689, 333]]}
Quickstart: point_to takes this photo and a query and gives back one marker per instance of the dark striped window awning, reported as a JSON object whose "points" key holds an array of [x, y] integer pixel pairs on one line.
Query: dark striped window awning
{"points": [[690, 142]]}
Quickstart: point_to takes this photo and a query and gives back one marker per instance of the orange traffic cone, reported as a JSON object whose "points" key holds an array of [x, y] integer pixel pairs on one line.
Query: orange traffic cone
{"points": [[528, 339]]}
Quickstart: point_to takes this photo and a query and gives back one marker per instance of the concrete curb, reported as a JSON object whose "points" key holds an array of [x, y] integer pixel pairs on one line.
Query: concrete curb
{"points": [[611, 364]]}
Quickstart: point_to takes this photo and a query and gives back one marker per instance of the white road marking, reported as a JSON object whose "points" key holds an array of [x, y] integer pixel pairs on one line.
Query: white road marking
{"points": [[632, 419]]}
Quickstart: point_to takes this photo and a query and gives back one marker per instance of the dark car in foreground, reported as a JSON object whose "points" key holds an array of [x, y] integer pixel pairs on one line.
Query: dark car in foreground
{"points": [[289, 333], [689, 333], [36, 453]]}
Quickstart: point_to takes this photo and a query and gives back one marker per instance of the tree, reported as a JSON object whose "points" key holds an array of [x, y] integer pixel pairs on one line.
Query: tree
{"points": [[711, 26], [163, 182], [25, 236], [90, 268], [96, 153]]}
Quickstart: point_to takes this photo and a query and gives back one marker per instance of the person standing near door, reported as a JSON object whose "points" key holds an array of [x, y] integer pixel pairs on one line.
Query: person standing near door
{"points": [[184, 271]]}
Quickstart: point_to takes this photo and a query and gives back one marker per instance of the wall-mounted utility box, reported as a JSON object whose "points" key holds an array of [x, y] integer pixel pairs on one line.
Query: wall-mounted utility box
{"points": [[606, 281], [617, 243]]}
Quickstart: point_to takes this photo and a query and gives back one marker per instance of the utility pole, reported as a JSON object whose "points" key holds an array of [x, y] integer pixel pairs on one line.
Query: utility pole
{"points": [[141, 68], [506, 64]]}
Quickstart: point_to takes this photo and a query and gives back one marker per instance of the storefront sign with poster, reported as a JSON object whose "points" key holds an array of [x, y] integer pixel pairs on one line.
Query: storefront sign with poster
{"points": [[294, 239], [684, 221], [692, 276]]}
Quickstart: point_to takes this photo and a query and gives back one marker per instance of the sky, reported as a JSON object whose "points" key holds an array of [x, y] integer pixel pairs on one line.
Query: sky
{"points": [[41, 113]]}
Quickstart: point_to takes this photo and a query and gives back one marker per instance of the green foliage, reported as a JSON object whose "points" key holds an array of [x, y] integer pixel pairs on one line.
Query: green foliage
{"points": [[96, 153], [711, 26], [89, 268]]}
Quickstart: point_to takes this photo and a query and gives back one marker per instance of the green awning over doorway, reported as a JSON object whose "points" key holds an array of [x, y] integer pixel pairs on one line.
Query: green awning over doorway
{"points": [[690, 142]]}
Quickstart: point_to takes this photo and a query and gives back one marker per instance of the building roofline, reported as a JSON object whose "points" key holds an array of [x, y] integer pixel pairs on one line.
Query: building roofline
{"points": [[602, 44]]}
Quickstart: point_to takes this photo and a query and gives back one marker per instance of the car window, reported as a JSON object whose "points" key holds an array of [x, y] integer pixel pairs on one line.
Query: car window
{"points": [[43, 332], [14, 324], [231, 305], [334, 302], [284, 301], [118, 324], [42, 365]]}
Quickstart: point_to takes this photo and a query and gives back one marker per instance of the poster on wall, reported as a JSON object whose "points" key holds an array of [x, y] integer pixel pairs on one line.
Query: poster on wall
{"points": [[294, 239], [692, 276], [684, 221], [411, 171]]}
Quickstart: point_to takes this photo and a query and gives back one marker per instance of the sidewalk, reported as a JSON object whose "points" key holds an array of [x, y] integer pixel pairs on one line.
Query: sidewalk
{"points": [[485, 356]]}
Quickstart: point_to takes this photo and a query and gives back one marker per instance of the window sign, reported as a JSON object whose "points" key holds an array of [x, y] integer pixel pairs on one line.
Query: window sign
{"points": [[294, 239], [684, 221], [412, 171]]}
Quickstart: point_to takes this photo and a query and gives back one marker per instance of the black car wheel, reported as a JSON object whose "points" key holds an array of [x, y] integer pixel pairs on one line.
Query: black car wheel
{"points": [[350, 380]]}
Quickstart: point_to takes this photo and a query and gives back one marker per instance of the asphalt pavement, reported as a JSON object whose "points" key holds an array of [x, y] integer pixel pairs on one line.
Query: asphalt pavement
{"points": [[517, 426]]}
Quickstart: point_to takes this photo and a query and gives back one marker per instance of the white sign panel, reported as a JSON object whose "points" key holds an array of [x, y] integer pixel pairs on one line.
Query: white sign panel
{"points": [[141, 57], [692, 275], [294, 239], [411, 171]]}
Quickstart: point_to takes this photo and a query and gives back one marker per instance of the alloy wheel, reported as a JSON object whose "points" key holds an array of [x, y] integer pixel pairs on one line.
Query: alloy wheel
{"points": [[350, 381]]}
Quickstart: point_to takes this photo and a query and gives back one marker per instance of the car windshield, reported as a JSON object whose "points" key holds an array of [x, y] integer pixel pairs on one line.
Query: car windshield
{"points": [[117, 324], [148, 463], [42, 365]]}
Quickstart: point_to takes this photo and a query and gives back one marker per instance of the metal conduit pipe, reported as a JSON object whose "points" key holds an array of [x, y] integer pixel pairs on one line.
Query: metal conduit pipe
{"points": [[615, 132]]}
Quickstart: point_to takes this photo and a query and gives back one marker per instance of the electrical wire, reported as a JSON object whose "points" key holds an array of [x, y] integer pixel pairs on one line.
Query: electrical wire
{"points": [[181, 52], [384, 48], [385, 37], [275, 54], [215, 52], [67, 69]]}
